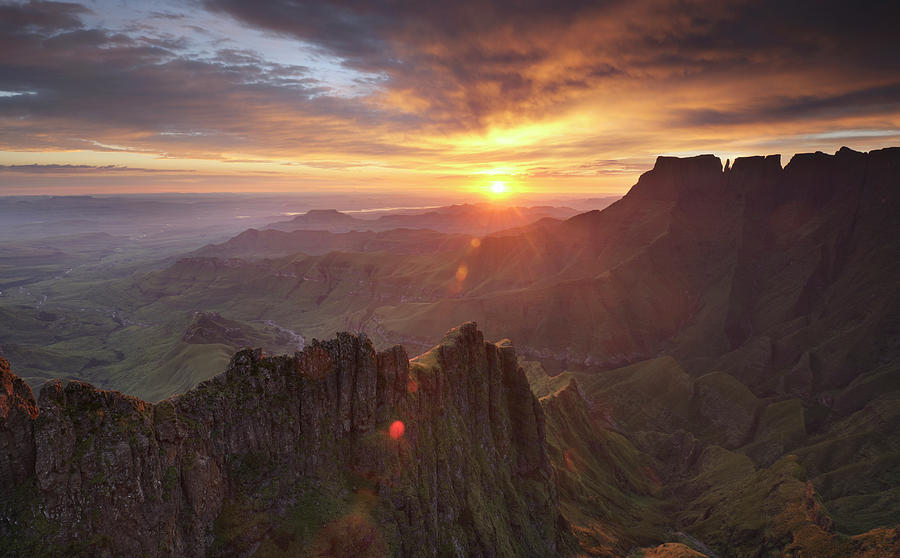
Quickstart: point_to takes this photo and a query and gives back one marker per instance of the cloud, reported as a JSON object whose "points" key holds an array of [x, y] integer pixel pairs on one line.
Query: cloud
{"points": [[68, 168], [122, 89], [875, 100], [603, 167], [40, 16], [470, 63], [458, 64]]}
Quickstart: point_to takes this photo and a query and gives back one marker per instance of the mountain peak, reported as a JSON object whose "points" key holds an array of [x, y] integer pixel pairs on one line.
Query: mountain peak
{"points": [[322, 212], [665, 162], [675, 178], [757, 162], [703, 177], [323, 216]]}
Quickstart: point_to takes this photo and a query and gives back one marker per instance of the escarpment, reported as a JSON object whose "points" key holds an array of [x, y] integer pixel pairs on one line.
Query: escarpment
{"points": [[287, 456]]}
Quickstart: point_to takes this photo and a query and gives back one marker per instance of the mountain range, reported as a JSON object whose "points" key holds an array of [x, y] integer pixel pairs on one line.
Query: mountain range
{"points": [[476, 219], [713, 360]]}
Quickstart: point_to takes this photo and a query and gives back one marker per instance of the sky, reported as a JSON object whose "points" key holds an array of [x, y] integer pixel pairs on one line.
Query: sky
{"points": [[555, 97]]}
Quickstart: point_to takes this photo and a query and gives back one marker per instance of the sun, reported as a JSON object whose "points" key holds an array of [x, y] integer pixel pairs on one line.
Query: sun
{"points": [[497, 190]]}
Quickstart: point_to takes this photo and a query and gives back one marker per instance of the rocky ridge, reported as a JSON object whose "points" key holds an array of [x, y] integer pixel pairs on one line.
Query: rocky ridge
{"points": [[287, 455]]}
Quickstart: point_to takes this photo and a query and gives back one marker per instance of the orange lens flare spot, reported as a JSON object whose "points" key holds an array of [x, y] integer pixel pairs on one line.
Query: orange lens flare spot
{"points": [[396, 430], [462, 272], [475, 242]]}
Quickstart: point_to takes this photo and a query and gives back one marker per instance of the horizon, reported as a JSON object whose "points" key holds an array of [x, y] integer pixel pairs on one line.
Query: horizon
{"points": [[577, 99], [441, 198]]}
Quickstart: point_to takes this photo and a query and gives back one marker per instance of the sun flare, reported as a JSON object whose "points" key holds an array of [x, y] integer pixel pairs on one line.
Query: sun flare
{"points": [[499, 188]]}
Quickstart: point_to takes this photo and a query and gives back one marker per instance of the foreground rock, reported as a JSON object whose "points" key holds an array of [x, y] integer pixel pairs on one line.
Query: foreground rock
{"points": [[287, 456]]}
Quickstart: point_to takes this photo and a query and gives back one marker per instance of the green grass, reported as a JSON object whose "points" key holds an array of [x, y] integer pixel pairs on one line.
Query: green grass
{"points": [[542, 384], [723, 410], [650, 395], [607, 488]]}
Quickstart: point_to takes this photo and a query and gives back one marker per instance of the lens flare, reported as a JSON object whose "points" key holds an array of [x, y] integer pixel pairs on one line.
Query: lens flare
{"points": [[396, 430], [462, 272]]}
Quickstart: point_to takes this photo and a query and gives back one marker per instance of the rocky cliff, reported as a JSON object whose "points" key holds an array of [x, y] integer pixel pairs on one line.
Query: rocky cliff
{"points": [[741, 268], [287, 456]]}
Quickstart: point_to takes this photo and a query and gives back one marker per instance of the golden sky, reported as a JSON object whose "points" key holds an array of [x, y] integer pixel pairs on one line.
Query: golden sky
{"points": [[556, 97]]}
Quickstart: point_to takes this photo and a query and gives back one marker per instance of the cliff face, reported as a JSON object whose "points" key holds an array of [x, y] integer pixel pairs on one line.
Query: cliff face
{"points": [[698, 261], [287, 455]]}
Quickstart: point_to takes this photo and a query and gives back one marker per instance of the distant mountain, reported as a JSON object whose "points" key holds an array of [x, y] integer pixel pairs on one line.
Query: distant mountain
{"points": [[473, 219], [254, 244], [319, 219]]}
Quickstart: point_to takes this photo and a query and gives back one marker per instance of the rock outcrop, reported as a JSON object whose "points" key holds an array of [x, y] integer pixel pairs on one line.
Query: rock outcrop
{"points": [[292, 455], [17, 413]]}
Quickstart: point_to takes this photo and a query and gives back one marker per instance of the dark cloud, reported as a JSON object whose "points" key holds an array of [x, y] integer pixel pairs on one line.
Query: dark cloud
{"points": [[450, 65], [78, 39], [93, 84], [168, 16], [470, 60], [40, 16], [465, 60], [880, 99]]}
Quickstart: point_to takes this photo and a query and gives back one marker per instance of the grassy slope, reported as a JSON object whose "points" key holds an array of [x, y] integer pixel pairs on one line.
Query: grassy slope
{"points": [[621, 495], [608, 492]]}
